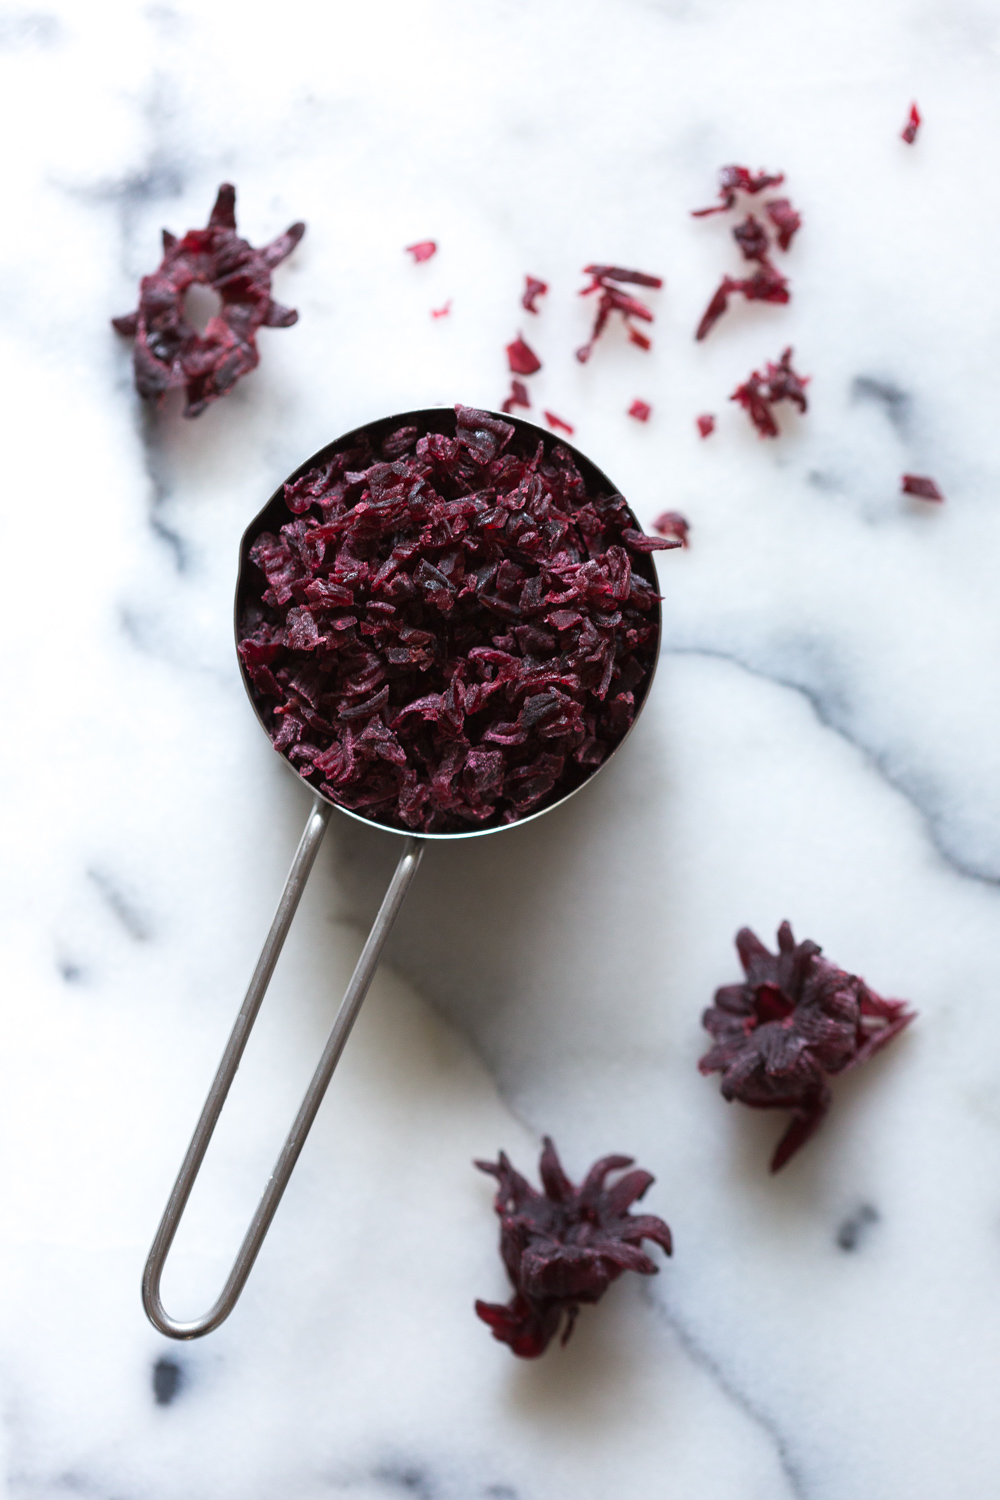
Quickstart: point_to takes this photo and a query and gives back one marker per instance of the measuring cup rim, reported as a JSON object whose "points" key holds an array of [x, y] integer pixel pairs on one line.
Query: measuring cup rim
{"points": [[595, 478]]}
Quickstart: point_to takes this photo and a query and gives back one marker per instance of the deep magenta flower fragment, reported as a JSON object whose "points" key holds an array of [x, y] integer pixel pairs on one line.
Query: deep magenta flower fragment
{"points": [[445, 627], [733, 180], [795, 1020], [761, 390], [422, 250], [521, 359], [922, 486], [641, 410], [533, 289], [909, 130], [605, 279], [518, 397], [170, 353], [672, 523], [565, 1247]]}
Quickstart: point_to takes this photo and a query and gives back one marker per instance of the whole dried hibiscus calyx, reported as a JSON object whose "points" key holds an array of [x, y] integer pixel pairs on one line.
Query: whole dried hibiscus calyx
{"points": [[795, 1020], [170, 353], [446, 626], [565, 1247]]}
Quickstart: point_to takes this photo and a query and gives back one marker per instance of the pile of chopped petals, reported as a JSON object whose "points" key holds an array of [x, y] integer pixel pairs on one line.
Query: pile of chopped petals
{"points": [[604, 279], [565, 1247], [794, 1020], [449, 631], [766, 283], [170, 353], [518, 397], [760, 391]]}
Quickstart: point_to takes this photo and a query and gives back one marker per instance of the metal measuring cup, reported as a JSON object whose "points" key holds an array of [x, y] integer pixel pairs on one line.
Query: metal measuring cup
{"points": [[271, 518]]}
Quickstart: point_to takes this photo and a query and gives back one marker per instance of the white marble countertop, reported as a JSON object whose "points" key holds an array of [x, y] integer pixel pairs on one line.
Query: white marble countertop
{"points": [[821, 744]]}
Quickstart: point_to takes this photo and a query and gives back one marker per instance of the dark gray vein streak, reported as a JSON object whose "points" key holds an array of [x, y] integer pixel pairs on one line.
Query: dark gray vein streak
{"points": [[133, 921], [875, 759]]}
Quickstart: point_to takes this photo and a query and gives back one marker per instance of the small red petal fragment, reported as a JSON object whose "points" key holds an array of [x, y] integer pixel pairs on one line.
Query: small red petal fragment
{"points": [[921, 486], [557, 424], [422, 250], [672, 523], [533, 289], [170, 353], [441, 312], [615, 273], [518, 397], [751, 236], [565, 1246], [636, 336], [909, 131], [613, 299], [713, 312], [786, 220], [641, 410], [760, 391], [733, 180], [795, 1020], [521, 359], [706, 424]]}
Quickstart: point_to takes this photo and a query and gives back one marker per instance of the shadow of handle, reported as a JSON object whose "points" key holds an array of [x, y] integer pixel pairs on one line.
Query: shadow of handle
{"points": [[362, 977]]}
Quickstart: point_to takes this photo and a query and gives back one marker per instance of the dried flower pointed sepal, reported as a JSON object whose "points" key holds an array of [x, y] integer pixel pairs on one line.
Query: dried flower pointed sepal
{"points": [[794, 1021], [565, 1247], [170, 353]]}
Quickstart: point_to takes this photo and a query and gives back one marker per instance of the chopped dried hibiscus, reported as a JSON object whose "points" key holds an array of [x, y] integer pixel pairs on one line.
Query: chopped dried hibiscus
{"points": [[733, 180], [922, 486], [521, 359], [765, 285], [909, 131], [446, 627], [759, 393], [422, 250], [603, 279], [533, 289], [705, 424], [641, 410], [565, 1248], [673, 524], [441, 312], [786, 220], [518, 397], [170, 353], [795, 1020], [557, 424]]}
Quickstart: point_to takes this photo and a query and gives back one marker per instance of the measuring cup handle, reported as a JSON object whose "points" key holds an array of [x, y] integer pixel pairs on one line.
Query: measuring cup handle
{"points": [[362, 977]]}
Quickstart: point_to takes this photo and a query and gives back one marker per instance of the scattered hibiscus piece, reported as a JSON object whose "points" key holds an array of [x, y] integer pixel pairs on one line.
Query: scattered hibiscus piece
{"points": [[422, 250], [921, 486], [170, 353], [441, 312], [733, 180], [786, 220], [909, 131], [673, 524], [794, 1019], [533, 289], [521, 359], [612, 299], [759, 392], [557, 424], [641, 410], [518, 397], [765, 285], [706, 424], [751, 236], [446, 627], [565, 1248]]}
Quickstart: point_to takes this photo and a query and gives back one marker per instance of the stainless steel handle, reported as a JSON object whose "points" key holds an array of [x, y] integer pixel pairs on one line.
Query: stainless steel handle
{"points": [[362, 977]]}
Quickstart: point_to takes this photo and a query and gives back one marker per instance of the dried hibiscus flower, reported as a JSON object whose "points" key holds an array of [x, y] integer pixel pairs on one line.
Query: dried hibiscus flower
{"points": [[170, 353], [759, 393], [533, 289], [641, 410], [672, 523], [795, 1020], [422, 250], [603, 279], [518, 397], [733, 180], [521, 359], [565, 1248], [705, 424], [922, 486], [909, 131], [447, 627], [786, 220], [767, 284]]}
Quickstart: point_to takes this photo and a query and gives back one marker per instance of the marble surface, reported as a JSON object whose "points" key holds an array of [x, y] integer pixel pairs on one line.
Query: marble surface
{"points": [[821, 745]]}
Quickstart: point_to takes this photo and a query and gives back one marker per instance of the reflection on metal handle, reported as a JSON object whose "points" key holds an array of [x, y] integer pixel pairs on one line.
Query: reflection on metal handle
{"points": [[346, 1016]]}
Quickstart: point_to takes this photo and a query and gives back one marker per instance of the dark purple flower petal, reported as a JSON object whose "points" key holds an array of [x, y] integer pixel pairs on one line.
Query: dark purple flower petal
{"points": [[533, 289], [922, 486]]}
